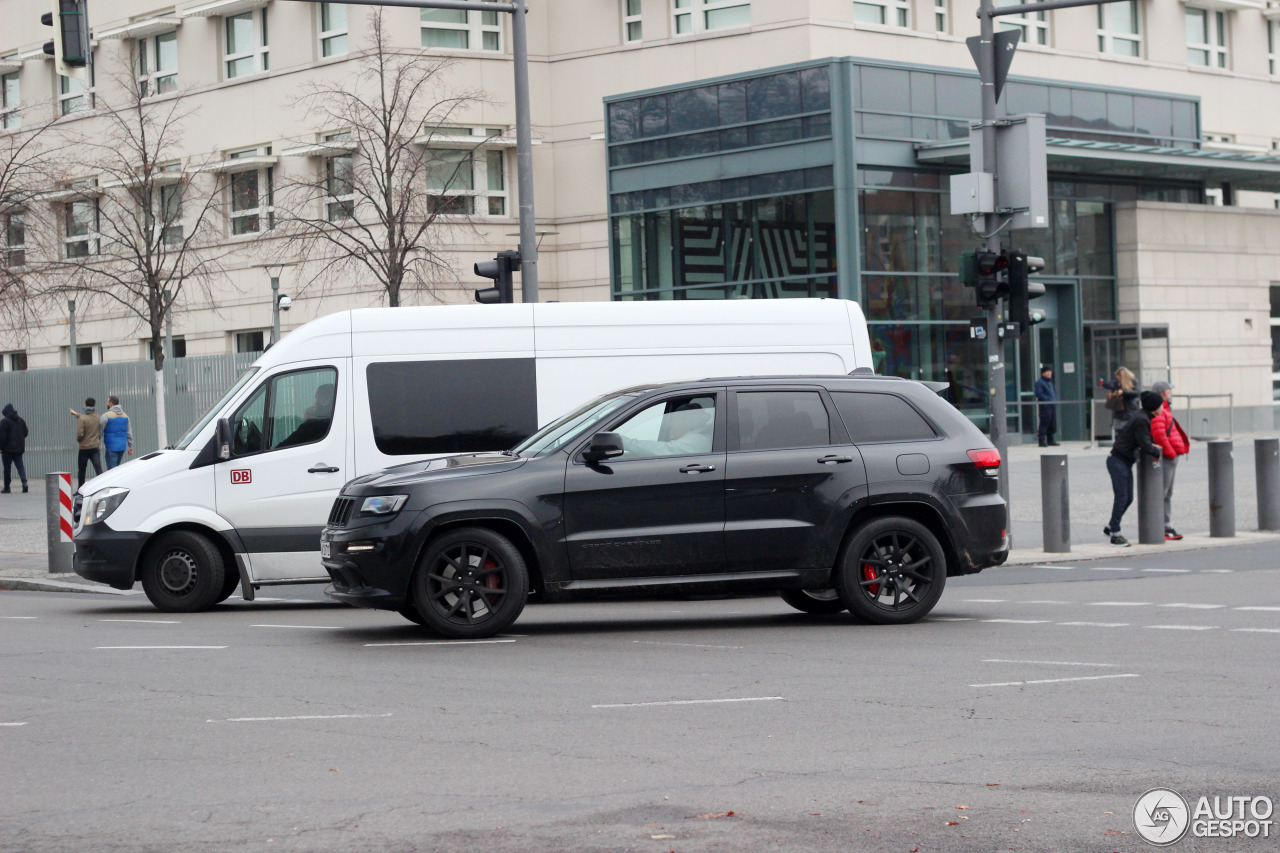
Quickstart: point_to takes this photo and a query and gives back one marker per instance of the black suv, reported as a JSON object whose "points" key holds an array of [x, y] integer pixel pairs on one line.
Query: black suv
{"points": [[861, 493]]}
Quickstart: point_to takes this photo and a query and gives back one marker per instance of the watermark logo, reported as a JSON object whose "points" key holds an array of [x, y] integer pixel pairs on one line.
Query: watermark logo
{"points": [[1161, 816]]}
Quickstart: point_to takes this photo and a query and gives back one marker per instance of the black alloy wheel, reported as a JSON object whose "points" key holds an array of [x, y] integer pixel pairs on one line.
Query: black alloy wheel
{"points": [[892, 571], [471, 583], [821, 602], [183, 572]]}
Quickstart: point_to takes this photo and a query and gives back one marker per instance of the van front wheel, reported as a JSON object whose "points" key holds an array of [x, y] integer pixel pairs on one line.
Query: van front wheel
{"points": [[183, 572], [471, 583]]}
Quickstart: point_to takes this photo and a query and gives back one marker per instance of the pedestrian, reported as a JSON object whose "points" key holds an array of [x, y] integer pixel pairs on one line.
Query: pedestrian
{"points": [[1135, 438], [117, 432], [89, 439], [1046, 393], [1172, 439], [1122, 398], [13, 443]]}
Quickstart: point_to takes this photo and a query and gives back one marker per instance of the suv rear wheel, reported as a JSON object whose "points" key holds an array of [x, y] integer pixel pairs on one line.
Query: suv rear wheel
{"points": [[471, 583], [891, 571], [822, 602]]}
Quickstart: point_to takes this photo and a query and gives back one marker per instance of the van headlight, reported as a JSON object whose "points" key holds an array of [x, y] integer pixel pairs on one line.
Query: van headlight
{"points": [[383, 504], [101, 504]]}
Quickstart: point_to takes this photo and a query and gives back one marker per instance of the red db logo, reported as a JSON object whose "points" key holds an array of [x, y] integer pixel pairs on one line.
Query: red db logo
{"points": [[243, 475]]}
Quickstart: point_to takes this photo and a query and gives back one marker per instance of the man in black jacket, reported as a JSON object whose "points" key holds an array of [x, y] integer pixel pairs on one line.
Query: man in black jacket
{"points": [[13, 443], [1133, 439]]}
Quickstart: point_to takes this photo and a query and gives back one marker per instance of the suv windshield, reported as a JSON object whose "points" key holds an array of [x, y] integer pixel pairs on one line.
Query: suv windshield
{"points": [[217, 407], [553, 435]]}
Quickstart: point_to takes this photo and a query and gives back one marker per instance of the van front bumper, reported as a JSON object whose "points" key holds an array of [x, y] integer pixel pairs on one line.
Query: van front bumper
{"points": [[108, 556]]}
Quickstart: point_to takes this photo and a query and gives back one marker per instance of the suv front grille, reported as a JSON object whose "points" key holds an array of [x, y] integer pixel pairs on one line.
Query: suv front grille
{"points": [[341, 512]]}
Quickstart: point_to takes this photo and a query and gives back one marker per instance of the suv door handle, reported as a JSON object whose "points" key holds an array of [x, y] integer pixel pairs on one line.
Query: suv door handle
{"points": [[833, 459], [697, 469], [321, 468]]}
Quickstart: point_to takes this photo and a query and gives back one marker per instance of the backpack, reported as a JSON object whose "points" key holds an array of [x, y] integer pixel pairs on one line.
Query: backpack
{"points": [[1115, 400]]}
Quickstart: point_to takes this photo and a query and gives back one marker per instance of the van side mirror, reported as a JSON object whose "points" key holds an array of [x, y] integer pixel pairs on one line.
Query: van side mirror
{"points": [[604, 445], [223, 438]]}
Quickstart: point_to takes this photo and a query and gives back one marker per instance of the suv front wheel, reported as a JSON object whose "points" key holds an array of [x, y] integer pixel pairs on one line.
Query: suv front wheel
{"points": [[891, 571], [471, 583]]}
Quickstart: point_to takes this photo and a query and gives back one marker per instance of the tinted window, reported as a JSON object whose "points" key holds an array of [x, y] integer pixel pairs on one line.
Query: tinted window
{"points": [[880, 417], [673, 427], [775, 419], [466, 406]]}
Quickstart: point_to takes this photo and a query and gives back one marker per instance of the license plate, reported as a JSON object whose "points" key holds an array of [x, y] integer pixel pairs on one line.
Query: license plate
{"points": [[324, 548]]}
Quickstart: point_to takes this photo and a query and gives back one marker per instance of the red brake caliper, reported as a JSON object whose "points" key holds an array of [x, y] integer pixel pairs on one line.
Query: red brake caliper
{"points": [[490, 581], [869, 574]]}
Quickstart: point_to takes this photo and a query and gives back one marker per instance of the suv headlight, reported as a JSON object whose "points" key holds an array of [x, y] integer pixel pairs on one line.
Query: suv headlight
{"points": [[383, 504], [101, 504]]}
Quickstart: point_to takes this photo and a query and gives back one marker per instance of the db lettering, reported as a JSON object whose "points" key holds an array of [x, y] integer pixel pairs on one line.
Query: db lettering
{"points": [[242, 475]]}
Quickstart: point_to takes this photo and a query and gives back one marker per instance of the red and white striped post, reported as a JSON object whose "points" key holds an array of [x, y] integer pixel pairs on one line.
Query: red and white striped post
{"points": [[57, 502]]}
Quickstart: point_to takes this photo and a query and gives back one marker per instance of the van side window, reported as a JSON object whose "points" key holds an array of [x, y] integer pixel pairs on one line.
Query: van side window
{"points": [[772, 420], [459, 406], [289, 410], [880, 417]]}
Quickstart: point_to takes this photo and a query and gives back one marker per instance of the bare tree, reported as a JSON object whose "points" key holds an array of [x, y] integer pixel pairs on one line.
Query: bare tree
{"points": [[375, 210], [145, 236], [28, 157]]}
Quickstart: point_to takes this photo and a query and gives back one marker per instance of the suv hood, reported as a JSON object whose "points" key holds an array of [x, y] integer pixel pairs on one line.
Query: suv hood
{"points": [[433, 470]]}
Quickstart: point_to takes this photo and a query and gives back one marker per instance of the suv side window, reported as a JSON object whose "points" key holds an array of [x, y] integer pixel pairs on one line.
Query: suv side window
{"points": [[773, 420], [678, 426], [872, 417], [288, 410]]}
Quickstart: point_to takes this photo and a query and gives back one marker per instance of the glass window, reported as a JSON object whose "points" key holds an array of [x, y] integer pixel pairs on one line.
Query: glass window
{"points": [[13, 361], [1273, 47], [462, 406], [1206, 37], [158, 64], [14, 234], [10, 102], [169, 214], [467, 181], [872, 417], [891, 13], [461, 30], [695, 16], [631, 25], [339, 182], [333, 29], [72, 95], [1119, 29], [250, 341], [246, 43], [252, 195], [940, 15], [80, 219], [1032, 25], [179, 348], [678, 426], [772, 420]]}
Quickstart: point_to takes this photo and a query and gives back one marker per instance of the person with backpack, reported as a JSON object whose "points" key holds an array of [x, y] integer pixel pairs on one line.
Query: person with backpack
{"points": [[13, 443], [1173, 442], [117, 432], [89, 439], [1134, 439]]}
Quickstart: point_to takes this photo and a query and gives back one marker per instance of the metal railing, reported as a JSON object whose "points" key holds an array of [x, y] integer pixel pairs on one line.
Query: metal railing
{"points": [[1189, 421]]}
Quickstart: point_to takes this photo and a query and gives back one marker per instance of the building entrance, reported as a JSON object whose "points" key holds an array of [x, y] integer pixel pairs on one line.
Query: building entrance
{"points": [[1056, 343]]}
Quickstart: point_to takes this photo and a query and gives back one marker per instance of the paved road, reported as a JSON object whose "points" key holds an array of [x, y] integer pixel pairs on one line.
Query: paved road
{"points": [[1028, 713]]}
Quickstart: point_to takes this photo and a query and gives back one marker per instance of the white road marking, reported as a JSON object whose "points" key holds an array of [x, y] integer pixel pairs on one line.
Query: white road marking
{"points": [[1109, 569], [442, 643], [316, 627], [309, 717], [949, 619], [1098, 624], [1057, 680], [1049, 662], [1194, 606], [1256, 608], [1169, 571], [984, 600], [1258, 630], [1019, 621], [689, 645], [12, 724], [146, 621], [1057, 568], [1120, 603], [1217, 571], [694, 702], [158, 647], [1183, 627], [1044, 601], [19, 617]]}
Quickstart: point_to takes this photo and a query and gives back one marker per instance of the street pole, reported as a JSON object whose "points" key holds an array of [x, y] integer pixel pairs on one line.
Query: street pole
{"points": [[72, 360], [524, 157], [275, 309]]}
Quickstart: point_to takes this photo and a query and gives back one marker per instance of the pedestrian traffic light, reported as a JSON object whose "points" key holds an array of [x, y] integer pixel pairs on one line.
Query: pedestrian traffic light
{"points": [[499, 269], [986, 272], [1022, 290], [70, 47]]}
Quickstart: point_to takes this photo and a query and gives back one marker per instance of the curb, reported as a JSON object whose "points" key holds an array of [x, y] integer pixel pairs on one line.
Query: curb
{"points": [[1102, 551], [53, 583]]}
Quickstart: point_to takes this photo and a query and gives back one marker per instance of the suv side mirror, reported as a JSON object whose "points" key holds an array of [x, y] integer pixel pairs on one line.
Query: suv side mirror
{"points": [[604, 445], [223, 438]]}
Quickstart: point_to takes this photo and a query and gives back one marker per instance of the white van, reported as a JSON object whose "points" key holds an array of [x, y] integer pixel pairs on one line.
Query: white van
{"points": [[242, 497]]}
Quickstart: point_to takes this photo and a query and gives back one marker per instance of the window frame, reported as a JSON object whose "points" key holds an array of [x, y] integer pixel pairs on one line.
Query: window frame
{"points": [[1214, 48], [1107, 37], [91, 239], [938, 434], [167, 221], [177, 340], [941, 16], [894, 13], [151, 77], [696, 12], [85, 95], [11, 249], [8, 361], [719, 429], [11, 110], [1034, 26], [338, 207], [836, 434], [1273, 47], [481, 192], [261, 175], [260, 54], [325, 36], [268, 417], [475, 28], [236, 336], [631, 16]]}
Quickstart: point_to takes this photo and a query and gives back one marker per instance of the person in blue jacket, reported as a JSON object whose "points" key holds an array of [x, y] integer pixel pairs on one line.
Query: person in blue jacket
{"points": [[117, 432], [1048, 396]]}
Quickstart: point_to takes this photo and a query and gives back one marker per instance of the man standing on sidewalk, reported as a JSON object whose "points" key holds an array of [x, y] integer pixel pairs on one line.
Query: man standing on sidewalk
{"points": [[1173, 442], [117, 432], [89, 438], [1048, 397], [13, 443]]}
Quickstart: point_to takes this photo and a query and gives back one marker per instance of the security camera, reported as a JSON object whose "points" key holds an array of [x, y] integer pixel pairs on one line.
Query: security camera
{"points": [[285, 303]]}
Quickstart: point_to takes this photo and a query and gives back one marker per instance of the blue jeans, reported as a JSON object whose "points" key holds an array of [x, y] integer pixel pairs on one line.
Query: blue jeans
{"points": [[14, 460], [113, 458], [1122, 486]]}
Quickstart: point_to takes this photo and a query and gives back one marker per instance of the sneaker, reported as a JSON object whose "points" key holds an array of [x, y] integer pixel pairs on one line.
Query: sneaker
{"points": [[1171, 534], [1053, 443], [4, 491], [24, 491], [1106, 531], [1119, 540]]}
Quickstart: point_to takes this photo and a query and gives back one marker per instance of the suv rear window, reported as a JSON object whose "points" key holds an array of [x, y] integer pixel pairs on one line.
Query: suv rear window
{"points": [[880, 417], [771, 420]]}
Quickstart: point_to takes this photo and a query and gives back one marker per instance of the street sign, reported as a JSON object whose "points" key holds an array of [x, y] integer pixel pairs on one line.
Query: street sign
{"points": [[1006, 43]]}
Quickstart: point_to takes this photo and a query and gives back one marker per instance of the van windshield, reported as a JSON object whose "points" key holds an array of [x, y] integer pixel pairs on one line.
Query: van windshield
{"points": [[217, 407], [552, 436]]}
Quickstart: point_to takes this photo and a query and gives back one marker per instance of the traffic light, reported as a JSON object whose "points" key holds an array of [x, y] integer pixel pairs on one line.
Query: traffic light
{"points": [[499, 269], [1022, 290], [986, 272], [70, 47]]}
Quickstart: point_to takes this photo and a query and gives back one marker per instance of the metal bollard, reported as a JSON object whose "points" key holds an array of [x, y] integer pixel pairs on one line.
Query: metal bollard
{"points": [[1266, 463], [1055, 505], [1150, 501], [1222, 490], [57, 508]]}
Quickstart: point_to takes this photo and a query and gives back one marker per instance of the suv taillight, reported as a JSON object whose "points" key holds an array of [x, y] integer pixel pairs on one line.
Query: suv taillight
{"points": [[985, 459]]}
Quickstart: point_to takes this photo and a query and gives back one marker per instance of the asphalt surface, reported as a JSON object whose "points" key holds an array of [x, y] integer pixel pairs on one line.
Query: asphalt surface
{"points": [[1029, 712]]}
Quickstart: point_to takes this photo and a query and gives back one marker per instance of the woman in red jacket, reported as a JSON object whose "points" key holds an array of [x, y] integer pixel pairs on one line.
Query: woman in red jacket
{"points": [[1172, 440]]}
